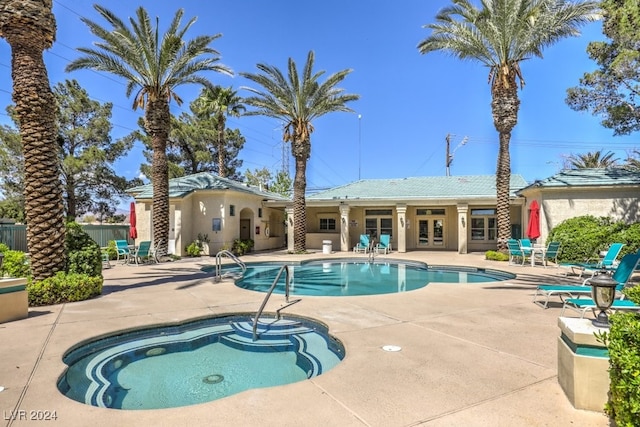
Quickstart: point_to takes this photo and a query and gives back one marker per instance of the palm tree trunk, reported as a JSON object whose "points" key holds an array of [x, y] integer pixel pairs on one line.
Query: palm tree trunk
{"points": [[504, 106], [222, 170], [299, 205], [29, 30], [157, 122]]}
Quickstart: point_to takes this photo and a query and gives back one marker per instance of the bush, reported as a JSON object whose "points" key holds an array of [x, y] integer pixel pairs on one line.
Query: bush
{"points": [[83, 253], [496, 256], [63, 288], [197, 246], [623, 342], [241, 247], [582, 238], [15, 263]]}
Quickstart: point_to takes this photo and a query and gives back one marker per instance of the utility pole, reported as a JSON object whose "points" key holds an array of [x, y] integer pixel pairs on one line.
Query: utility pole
{"points": [[449, 158], [359, 143]]}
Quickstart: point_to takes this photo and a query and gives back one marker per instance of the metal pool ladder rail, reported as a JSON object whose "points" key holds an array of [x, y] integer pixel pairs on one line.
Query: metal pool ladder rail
{"points": [[284, 268], [218, 275]]}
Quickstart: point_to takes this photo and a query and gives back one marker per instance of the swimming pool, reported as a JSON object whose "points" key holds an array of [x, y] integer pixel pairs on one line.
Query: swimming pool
{"points": [[350, 277], [198, 361]]}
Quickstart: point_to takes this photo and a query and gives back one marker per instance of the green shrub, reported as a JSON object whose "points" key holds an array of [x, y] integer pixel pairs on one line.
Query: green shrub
{"points": [[583, 237], [496, 256], [111, 249], [83, 253], [63, 288], [241, 247], [197, 246], [623, 342], [15, 264], [632, 293]]}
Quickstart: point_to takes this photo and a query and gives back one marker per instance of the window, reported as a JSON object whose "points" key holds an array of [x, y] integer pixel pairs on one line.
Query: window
{"points": [[422, 211], [259, 212], [378, 212], [327, 224], [483, 225], [232, 210]]}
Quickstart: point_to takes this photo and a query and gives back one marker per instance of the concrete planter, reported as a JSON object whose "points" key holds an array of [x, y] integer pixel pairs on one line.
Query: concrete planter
{"points": [[14, 304]]}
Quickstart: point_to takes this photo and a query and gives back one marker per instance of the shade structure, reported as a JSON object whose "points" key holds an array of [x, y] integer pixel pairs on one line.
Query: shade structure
{"points": [[133, 233], [533, 227]]}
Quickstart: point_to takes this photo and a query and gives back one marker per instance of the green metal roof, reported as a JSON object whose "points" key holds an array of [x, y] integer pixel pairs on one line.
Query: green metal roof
{"points": [[589, 178], [181, 187], [427, 187]]}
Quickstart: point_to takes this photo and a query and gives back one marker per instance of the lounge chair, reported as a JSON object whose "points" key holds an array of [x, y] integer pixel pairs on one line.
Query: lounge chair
{"points": [[525, 244], [550, 254], [515, 251], [363, 244], [609, 261], [384, 245], [582, 305], [621, 275], [122, 250]]}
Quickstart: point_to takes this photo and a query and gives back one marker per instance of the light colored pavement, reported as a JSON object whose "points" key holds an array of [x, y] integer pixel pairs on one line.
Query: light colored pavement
{"points": [[472, 355]]}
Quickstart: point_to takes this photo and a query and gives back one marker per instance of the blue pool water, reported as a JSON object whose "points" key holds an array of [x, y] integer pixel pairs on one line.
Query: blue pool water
{"points": [[348, 277], [196, 362]]}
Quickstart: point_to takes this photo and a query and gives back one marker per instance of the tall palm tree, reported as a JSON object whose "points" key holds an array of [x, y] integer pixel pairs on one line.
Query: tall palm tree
{"points": [[153, 67], [30, 28], [596, 159], [297, 102], [220, 102], [500, 35]]}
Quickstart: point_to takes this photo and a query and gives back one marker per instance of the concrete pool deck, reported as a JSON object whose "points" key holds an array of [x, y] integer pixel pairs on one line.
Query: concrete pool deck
{"points": [[472, 355]]}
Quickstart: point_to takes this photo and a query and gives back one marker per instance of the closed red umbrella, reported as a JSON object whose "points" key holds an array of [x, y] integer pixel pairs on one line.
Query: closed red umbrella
{"points": [[133, 233], [533, 228]]}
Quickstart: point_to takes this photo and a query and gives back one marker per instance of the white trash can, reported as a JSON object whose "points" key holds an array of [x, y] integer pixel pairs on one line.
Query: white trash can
{"points": [[326, 247]]}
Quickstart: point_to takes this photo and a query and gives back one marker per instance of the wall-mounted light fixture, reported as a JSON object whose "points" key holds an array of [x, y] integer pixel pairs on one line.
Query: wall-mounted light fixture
{"points": [[402, 222], [290, 221], [462, 221], [344, 221]]}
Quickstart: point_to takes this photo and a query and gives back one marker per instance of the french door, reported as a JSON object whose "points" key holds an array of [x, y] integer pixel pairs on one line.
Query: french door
{"points": [[431, 233]]}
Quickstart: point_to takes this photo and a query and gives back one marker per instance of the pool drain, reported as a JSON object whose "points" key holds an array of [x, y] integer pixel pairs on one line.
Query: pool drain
{"points": [[156, 351], [391, 348], [213, 379]]}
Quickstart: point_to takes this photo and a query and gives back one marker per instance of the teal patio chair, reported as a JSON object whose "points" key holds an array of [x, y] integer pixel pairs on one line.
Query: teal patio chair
{"points": [[143, 252], [550, 254], [582, 305], [363, 244], [122, 250], [621, 275], [515, 251], [525, 245], [384, 245]]}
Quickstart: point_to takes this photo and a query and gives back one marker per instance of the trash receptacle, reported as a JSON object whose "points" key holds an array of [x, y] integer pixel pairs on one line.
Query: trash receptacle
{"points": [[326, 246]]}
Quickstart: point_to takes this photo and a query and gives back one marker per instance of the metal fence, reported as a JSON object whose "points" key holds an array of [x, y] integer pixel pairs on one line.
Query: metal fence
{"points": [[15, 236]]}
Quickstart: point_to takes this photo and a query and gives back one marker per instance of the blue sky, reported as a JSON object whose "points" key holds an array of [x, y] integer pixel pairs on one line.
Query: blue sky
{"points": [[408, 102]]}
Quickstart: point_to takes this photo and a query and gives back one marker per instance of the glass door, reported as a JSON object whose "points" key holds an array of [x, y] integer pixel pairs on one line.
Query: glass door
{"points": [[431, 232]]}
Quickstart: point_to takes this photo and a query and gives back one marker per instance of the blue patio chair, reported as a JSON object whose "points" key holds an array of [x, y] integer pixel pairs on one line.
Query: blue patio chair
{"points": [[384, 245], [363, 244], [550, 254], [515, 251], [525, 245], [142, 253], [621, 275], [122, 250], [582, 305]]}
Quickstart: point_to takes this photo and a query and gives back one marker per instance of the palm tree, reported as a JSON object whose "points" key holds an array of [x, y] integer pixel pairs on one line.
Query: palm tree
{"points": [[153, 67], [501, 35], [297, 102], [30, 28], [220, 102], [596, 160]]}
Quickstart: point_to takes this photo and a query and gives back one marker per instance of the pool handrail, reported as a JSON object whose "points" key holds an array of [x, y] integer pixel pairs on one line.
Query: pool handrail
{"points": [[234, 258], [266, 298]]}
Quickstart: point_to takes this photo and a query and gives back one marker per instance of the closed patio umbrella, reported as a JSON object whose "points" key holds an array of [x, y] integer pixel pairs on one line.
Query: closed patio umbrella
{"points": [[133, 233], [533, 228]]}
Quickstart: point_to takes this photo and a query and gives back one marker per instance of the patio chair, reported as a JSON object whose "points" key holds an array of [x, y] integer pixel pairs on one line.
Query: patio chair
{"points": [[154, 253], [363, 244], [525, 244], [122, 250], [591, 265], [142, 253], [384, 245], [104, 254], [621, 275], [582, 305], [515, 251], [550, 254]]}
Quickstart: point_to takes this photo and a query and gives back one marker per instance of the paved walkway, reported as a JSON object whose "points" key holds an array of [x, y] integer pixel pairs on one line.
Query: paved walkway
{"points": [[472, 355]]}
